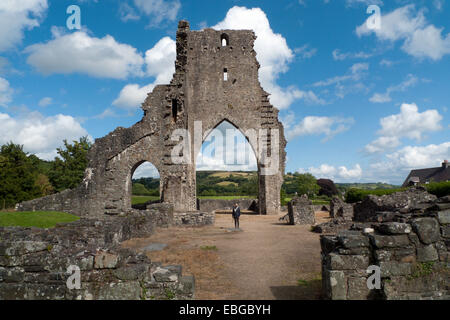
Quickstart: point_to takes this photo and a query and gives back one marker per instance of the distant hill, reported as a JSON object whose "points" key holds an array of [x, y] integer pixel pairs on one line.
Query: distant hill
{"points": [[245, 183], [367, 186]]}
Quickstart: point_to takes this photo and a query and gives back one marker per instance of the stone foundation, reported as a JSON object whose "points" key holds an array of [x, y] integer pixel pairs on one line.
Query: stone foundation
{"points": [[194, 218], [413, 257], [34, 263]]}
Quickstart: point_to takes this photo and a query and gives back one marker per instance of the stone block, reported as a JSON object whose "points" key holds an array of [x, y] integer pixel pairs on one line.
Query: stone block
{"points": [[105, 260], [380, 241], [394, 268], [394, 228], [350, 241], [347, 262], [357, 288], [445, 231], [444, 217], [427, 229], [187, 285], [427, 253], [130, 290], [336, 285]]}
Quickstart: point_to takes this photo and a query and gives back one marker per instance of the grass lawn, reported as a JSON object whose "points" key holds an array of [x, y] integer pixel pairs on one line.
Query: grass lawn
{"points": [[39, 219], [142, 199]]}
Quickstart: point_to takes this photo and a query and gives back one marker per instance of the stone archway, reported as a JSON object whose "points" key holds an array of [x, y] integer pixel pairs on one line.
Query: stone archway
{"points": [[211, 83]]}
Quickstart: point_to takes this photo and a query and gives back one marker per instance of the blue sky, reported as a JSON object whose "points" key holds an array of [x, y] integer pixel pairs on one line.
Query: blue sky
{"points": [[358, 104]]}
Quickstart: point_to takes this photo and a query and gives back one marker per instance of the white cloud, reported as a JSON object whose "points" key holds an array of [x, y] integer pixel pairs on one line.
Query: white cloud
{"points": [[5, 92], [226, 149], [146, 170], [78, 52], [365, 2], [397, 165], [409, 123], [15, 17], [337, 55], [420, 39], [160, 62], [39, 134], [420, 156], [132, 96], [337, 174], [438, 4], [355, 73], [273, 54], [45, 102], [347, 83], [159, 10], [305, 52], [312, 125], [382, 144], [410, 81]]}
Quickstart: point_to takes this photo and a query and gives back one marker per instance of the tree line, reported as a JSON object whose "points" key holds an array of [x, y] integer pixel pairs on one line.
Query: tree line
{"points": [[24, 176]]}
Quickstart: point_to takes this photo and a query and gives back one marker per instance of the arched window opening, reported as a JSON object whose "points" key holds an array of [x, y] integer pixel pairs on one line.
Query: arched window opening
{"points": [[225, 40], [145, 186], [225, 74], [174, 109], [226, 167]]}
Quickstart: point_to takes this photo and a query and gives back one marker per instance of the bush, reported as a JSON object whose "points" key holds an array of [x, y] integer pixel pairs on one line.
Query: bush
{"points": [[439, 189], [140, 190], [354, 195]]}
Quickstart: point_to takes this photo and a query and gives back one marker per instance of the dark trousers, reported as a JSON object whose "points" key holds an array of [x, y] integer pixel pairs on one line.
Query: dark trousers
{"points": [[236, 222]]}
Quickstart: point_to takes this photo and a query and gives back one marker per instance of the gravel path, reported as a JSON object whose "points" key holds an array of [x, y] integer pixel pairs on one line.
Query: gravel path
{"points": [[265, 260]]}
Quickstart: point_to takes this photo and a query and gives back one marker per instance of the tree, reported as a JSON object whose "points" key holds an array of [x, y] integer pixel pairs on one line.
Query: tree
{"points": [[327, 187], [307, 184], [67, 171], [17, 176]]}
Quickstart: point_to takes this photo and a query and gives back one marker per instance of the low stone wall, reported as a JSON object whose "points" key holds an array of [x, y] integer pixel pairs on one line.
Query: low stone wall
{"points": [[374, 208], [34, 262], [413, 257], [301, 211], [194, 218], [70, 201], [210, 205]]}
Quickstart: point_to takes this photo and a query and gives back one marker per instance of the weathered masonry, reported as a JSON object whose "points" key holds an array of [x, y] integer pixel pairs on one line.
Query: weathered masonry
{"points": [[215, 80]]}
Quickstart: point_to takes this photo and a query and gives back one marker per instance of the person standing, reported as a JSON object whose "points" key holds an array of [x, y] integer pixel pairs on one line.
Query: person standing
{"points": [[236, 215]]}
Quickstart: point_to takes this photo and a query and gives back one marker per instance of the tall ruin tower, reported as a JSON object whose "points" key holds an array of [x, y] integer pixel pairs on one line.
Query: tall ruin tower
{"points": [[215, 80]]}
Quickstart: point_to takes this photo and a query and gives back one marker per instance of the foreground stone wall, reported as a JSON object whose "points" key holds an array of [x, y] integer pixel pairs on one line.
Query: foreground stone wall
{"points": [[210, 205], [34, 263], [413, 256]]}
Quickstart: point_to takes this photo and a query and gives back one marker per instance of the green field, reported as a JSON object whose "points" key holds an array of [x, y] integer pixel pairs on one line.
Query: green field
{"points": [[39, 219], [142, 199]]}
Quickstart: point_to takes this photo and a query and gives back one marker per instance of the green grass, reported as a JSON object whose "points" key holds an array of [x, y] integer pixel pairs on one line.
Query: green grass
{"points": [[213, 248], [142, 199], [39, 219]]}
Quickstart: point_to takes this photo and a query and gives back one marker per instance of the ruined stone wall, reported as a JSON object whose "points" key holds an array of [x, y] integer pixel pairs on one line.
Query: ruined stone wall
{"points": [[413, 256], [301, 211], [34, 263], [198, 93], [210, 205], [194, 218]]}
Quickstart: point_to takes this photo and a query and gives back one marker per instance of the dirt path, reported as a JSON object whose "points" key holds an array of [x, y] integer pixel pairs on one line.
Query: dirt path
{"points": [[266, 260]]}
